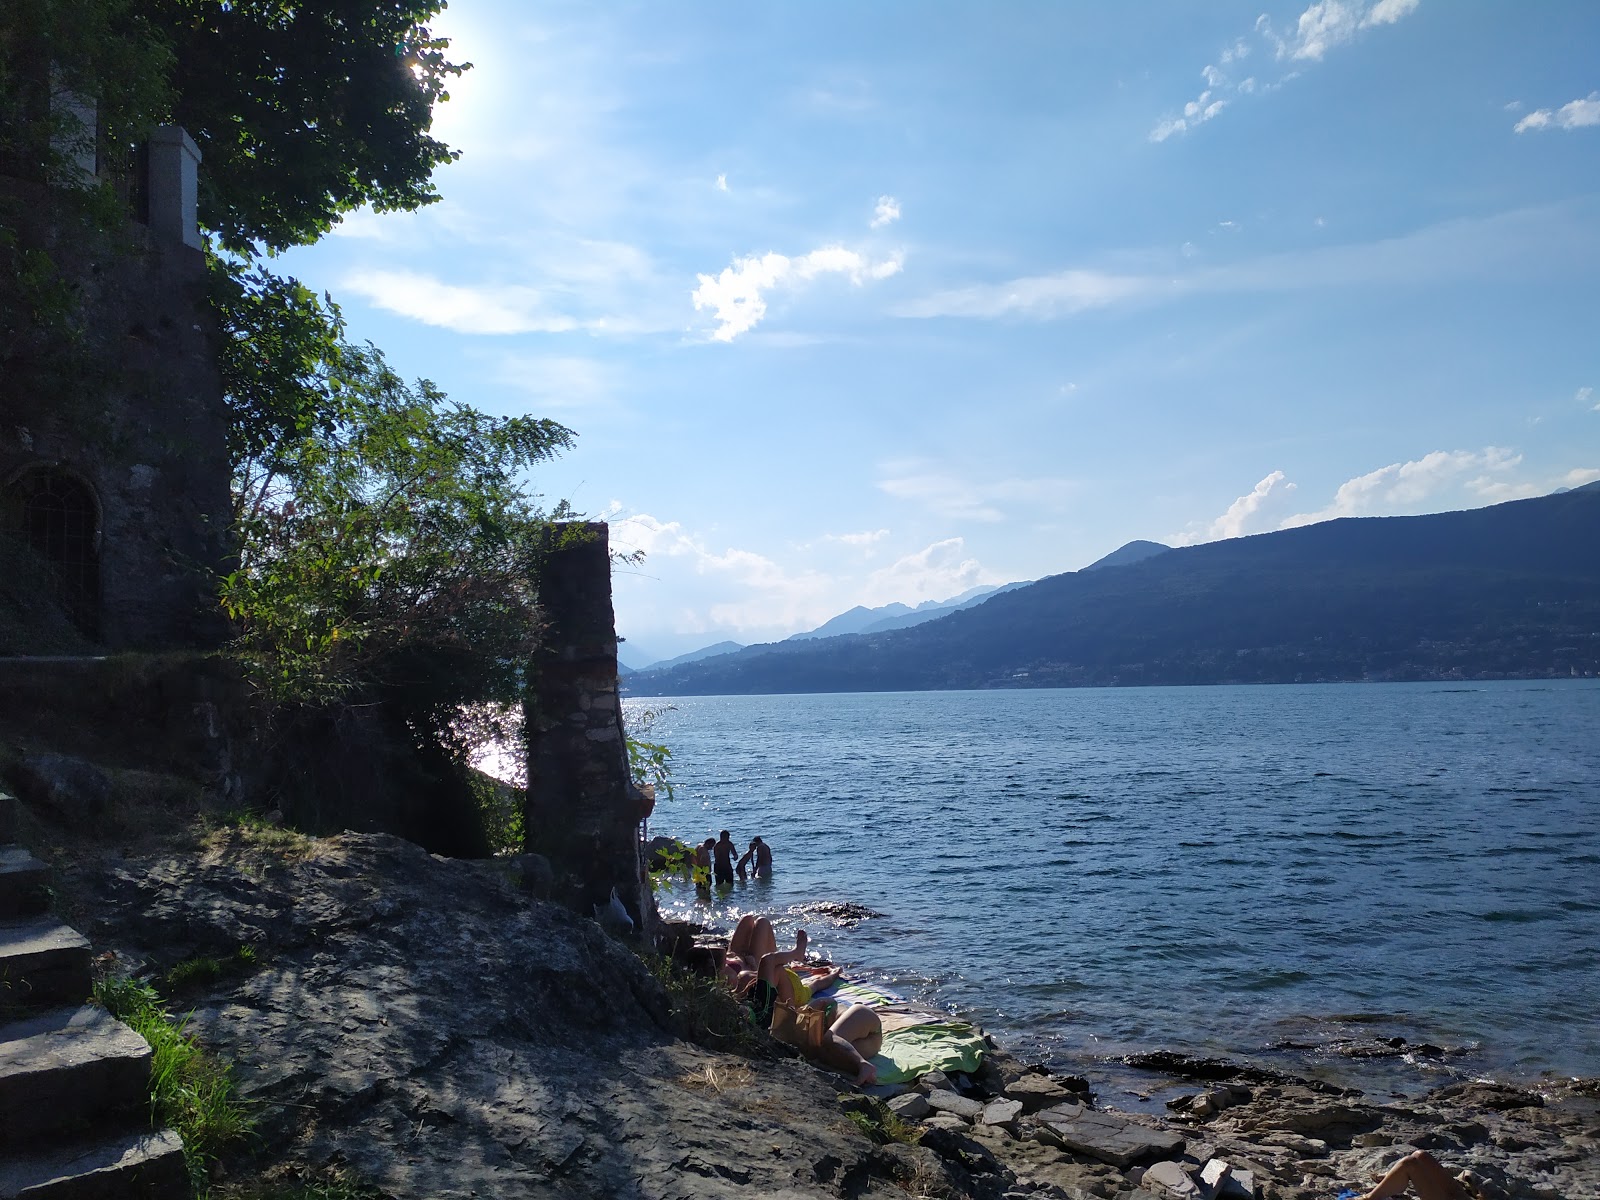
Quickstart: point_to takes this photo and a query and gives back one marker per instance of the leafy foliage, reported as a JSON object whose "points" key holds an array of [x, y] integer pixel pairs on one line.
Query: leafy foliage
{"points": [[105, 50], [302, 112], [393, 548], [305, 111], [389, 545], [650, 763]]}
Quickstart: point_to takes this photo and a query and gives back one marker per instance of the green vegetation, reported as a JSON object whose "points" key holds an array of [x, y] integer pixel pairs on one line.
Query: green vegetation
{"points": [[501, 809], [342, 1187], [302, 112], [189, 1090], [705, 1011], [650, 763], [203, 969], [875, 1119]]}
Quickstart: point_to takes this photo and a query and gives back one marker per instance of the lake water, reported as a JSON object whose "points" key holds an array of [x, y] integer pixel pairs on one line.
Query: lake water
{"points": [[1257, 872]]}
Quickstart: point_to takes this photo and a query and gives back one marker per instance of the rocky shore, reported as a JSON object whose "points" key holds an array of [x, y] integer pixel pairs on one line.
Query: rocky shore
{"points": [[428, 1028]]}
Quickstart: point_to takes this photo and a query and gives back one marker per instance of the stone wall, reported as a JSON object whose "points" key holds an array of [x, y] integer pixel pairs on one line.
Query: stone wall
{"points": [[583, 811], [120, 395]]}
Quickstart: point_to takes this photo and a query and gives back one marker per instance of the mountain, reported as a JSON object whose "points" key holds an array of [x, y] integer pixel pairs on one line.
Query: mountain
{"points": [[896, 616], [1132, 552], [1510, 590], [694, 656]]}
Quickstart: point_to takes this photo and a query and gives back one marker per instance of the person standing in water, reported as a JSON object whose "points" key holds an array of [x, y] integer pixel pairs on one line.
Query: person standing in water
{"points": [[724, 851], [758, 858]]}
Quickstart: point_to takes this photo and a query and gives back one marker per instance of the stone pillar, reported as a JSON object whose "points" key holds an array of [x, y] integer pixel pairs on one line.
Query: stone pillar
{"points": [[582, 810], [174, 186]]}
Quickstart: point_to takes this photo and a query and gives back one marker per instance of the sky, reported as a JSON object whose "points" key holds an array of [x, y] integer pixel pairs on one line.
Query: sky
{"points": [[859, 303]]}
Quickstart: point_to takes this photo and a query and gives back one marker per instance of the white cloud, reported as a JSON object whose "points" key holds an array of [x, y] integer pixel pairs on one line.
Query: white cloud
{"points": [[737, 297], [1583, 395], [560, 381], [1575, 114], [1320, 28], [955, 498], [935, 572], [866, 538], [1581, 476], [488, 309], [1529, 243], [1041, 296], [1195, 113], [1407, 484], [887, 212], [1328, 24], [1235, 521], [722, 183]]}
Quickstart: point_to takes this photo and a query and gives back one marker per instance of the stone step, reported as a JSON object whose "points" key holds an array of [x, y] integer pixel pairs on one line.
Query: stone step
{"points": [[24, 882], [67, 1067], [10, 818], [42, 962], [140, 1165]]}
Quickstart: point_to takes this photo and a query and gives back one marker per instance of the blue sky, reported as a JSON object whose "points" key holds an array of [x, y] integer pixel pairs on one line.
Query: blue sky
{"points": [[851, 304]]}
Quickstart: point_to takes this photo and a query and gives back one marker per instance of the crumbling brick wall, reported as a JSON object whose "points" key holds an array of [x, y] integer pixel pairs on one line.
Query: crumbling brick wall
{"points": [[583, 811]]}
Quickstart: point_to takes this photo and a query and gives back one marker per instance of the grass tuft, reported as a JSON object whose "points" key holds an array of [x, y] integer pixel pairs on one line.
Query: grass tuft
{"points": [[197, 972], [878, 1121], [715, 1079], [189, 1089], [339, 1187], [705, 1011]]}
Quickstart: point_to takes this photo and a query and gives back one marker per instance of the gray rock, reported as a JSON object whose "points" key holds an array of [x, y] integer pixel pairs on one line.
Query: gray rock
{"points": [[1036, 1092], [957, 1105], [944, 1120], [76, 791], [1240, 1183], [934, 1080], [1169, 1179], [1106, 1136], [533, 874], [912, 1106], [1001, 1112]]}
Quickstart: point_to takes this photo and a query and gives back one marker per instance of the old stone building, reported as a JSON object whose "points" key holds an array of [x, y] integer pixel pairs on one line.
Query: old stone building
{"points": [[113, 462]]}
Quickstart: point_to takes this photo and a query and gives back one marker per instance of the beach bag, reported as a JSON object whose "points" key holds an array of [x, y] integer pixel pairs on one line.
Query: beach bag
{"points": [[804, 1028]]}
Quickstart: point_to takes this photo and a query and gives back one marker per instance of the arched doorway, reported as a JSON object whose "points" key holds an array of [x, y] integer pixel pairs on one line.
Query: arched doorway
{"points": [[56, 516]]}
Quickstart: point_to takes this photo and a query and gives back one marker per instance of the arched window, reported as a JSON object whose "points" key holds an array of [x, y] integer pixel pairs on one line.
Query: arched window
{"points": [[56, 516]]}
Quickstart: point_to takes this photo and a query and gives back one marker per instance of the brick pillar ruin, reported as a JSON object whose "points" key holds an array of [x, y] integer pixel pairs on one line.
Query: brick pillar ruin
{"points": [[582, 810]]}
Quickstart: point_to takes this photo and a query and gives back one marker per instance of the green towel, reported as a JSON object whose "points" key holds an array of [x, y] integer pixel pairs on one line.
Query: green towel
{"points": [[918, 1049]]}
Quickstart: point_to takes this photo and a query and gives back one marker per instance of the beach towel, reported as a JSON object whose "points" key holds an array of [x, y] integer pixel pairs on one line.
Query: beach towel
{"points": [[917, 1049]]}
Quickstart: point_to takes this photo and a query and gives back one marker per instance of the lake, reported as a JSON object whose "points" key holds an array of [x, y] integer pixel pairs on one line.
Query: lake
{"points": [[1279, 874]]}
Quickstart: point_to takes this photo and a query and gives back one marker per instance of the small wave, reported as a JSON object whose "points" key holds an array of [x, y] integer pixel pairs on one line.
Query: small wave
{"points": [[1515, 916], [1273, 980]]}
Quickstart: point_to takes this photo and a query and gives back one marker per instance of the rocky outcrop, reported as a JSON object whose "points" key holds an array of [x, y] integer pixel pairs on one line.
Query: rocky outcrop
{"points": [[431, 1027]]}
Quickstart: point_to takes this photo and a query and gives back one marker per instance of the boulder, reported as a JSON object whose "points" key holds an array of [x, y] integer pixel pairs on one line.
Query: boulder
{"points": [[1001, 1112], [957, 1105], [75, 791], [1106, 1136], [1169, 1179], [1036, 1092], [533, 874], [1219, 1179], [912, 1106]]}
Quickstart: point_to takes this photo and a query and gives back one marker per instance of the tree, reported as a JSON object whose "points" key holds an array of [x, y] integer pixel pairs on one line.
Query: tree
{"points": [[303, 112], [389, 543]]}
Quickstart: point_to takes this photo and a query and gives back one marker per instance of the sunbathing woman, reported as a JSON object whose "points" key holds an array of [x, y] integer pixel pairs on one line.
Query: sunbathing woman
{"points": [[1425, 1173], [854, 1034], [752, 940]]}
